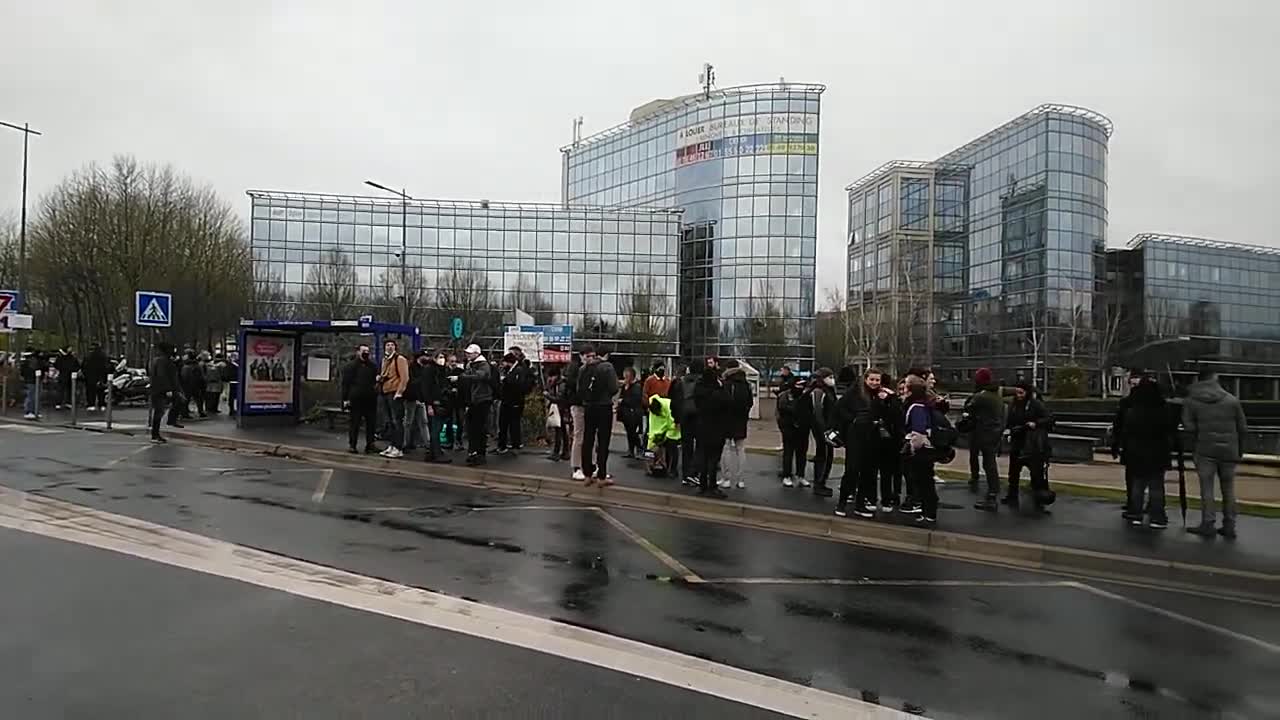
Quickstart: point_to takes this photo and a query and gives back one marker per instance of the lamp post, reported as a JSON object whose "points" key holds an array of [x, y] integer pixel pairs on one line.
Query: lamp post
{"points": [[404, 247], [27, 132]]}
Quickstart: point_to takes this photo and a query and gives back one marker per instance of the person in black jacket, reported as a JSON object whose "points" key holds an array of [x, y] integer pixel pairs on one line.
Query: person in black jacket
{"points": [[67, 365], [577, 423], [818, 410], [741, 399], [684, 407], [360, 398], [191, 378], [713, 426], [513, 388], [95, 369], [860, 414], [892, 433], [983, 420], [794, 431], [631, 411], [1027, 423], [1149, 435], [164, 387], [597, 386], [426, 392], [1117, 429], [27, 369]]}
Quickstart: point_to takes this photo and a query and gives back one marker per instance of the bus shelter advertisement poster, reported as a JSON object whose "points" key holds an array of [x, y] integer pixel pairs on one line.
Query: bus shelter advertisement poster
{"points": [[268, 373]]}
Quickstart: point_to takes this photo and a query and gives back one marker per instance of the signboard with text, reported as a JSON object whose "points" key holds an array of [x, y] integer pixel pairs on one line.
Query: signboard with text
{"points": [[540, 343], [268, 362]]}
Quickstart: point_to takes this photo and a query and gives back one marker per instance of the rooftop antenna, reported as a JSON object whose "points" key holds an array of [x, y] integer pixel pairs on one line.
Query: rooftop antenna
{"points": [[577, 130], [707, 79]]}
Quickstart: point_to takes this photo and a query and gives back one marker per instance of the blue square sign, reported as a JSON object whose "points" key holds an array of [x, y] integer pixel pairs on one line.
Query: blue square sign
{"points": [[153, 309]]}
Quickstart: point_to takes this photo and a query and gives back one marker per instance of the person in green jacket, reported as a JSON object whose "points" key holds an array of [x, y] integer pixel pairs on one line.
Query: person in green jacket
{"points": [[664, 438]]}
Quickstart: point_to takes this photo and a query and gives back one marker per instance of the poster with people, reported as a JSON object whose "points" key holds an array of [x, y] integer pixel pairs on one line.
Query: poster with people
{"points": [[268, 373]]}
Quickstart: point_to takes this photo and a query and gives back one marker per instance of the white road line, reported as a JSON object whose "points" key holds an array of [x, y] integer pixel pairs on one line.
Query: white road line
{"points": [[1270, 647], [869, 582], [675, 565], [323, 486], [135, 451], [31, 429], [129, 536]]}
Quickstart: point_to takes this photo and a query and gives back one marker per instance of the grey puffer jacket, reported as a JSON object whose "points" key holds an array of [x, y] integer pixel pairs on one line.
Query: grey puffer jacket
{"points": [[1215, 419]]}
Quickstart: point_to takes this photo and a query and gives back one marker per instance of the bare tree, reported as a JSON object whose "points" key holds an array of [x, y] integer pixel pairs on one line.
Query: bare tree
{"points": [[646, 312], [1110, 319], [1034, 340], [465, 293], [8, 252], [911, 317], [526, 297], [331, 285], [766, 328]]}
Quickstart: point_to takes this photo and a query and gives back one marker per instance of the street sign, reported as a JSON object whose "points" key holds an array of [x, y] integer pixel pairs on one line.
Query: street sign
{"points": [[14, 321], [529, 342], [153, 309], [10, 301], [455, 328]]}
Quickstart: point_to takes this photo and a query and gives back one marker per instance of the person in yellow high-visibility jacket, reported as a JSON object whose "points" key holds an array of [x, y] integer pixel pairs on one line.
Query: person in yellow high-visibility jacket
{"points": [[664, 438]]}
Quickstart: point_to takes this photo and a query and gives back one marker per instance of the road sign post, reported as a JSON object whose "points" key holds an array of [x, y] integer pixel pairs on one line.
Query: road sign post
{"points": [[152, 309]]}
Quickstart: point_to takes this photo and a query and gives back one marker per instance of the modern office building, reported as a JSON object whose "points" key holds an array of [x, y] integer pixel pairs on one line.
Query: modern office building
{"points": [[742, 163], [611, 273], [991, 255], [1181, 303]]}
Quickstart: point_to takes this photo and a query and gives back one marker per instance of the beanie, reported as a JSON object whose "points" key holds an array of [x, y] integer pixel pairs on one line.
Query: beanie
{"points": [[982, 377]]}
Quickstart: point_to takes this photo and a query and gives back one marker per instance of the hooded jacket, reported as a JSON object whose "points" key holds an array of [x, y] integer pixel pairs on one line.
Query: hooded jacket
{"points": [[1215, 419], [662, 425], [1148, 432], [96, 366], [478, 379], [597, 384], [985, 409], [738, 393], [712, 401]]}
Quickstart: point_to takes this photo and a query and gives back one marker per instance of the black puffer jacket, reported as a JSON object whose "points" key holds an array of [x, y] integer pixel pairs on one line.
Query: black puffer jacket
{"points": [[1149, 431], [713, 407], [1029, 444], [738, 392]]}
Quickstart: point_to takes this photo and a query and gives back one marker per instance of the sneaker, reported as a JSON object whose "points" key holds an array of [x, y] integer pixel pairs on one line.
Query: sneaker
{"points": [[159, 440], [742, 484], [909, 509], [1158, 524], [864, 513], [1135, 522], [1227, 532], [501, 451], [926, 521], [886, 508], [840, 512], [29, 416], [475, 459], [386, 451], [801, 482], [1205, 531], [691, 481], [869, 507], [788, 482], [578, 475], [1131, 516], [395, 452], [722, 483]]}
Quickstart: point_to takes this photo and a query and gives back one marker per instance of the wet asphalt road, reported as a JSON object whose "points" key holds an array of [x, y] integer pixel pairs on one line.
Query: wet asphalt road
{"points": [[947, 638]]}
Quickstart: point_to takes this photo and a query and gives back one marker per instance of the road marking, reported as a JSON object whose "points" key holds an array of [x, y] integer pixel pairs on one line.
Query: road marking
{"points": [[675, 565], [136, 451], [129, 536], [323, 486], [31, 429], [887, 583], [102, 425], [1269, 647]]}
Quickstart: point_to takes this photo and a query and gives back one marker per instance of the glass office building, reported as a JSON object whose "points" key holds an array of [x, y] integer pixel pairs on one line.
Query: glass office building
{"points": [[742, 163], [989, 256], [1192, 302], [611, 273]]}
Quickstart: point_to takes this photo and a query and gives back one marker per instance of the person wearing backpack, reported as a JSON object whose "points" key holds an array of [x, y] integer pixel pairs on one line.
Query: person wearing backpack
{"points": [[685, 408], [1028, 425], [917, 450], [795, 434]]}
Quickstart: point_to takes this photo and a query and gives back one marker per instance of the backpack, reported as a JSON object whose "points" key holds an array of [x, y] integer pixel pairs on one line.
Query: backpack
{"points": [[942, 435]]}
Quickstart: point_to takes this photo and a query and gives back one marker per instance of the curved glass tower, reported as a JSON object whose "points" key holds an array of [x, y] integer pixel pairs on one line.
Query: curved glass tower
{"points": [[742, 163]]}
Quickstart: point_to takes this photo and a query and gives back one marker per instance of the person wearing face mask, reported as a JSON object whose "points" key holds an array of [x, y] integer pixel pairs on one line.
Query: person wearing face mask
{"points": [[395, 380], [359, 397], [477, 392], [457, 405], [427, 385], [818, 409]]}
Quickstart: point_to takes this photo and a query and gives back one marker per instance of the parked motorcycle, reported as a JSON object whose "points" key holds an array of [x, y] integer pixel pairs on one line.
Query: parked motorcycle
{"points": [[129, 385]]}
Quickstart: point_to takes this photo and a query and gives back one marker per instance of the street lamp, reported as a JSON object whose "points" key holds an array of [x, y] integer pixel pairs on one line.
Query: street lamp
{"points": [[27, 132], [404, 238]]}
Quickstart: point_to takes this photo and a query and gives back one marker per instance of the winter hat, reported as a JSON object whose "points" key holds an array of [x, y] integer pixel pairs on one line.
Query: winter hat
{"points": [[982, 377]]}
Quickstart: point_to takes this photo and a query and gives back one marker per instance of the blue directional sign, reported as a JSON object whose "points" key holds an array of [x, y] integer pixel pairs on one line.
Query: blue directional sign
{"points": [[455, 328], [153, 309], [10, 301]]}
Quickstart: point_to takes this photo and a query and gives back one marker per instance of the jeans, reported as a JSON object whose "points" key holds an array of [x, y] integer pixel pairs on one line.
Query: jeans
{"points": [[429, 429], [986, 456], [478, 429], [560, 439], [414, 423], [919, 473], [1146, 486], [795, 445], [577, 415], [689, 446], [823, 456], [158, 406], [365, 410], [596, 431], [29, 399], [709, 452], [510, 416], [733, 459], [1210, 470], [395, 416]]}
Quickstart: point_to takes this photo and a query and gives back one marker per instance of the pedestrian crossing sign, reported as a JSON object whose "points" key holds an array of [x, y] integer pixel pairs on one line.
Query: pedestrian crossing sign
{"points": [[153, 309]]}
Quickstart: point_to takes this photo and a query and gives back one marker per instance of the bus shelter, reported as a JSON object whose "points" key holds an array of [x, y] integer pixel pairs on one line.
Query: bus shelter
{"points": [[274, 366]]}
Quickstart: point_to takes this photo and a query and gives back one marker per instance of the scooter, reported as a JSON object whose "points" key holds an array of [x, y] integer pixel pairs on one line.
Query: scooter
{"points": [[129, 385]]}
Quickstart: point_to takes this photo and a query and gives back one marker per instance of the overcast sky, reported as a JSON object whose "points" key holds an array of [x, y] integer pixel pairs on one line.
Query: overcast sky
{"points": [[474, 99]]}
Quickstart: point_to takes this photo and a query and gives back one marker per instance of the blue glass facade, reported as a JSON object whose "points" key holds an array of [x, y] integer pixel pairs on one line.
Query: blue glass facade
{"points": [[991, 255], [743, 165]]}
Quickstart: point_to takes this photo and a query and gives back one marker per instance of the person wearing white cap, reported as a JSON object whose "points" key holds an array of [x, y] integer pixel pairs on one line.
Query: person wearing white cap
{"points": [[477, 392]]}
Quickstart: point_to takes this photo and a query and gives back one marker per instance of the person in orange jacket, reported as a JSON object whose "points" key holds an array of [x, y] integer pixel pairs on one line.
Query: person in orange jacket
{"points": [[394, 380]]}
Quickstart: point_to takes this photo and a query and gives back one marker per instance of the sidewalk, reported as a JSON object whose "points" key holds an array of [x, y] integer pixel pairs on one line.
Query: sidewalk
{"points": [[1082, 527]]}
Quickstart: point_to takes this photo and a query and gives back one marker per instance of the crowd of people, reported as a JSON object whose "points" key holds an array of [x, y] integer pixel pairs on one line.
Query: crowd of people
{"points": [[179, 380]]}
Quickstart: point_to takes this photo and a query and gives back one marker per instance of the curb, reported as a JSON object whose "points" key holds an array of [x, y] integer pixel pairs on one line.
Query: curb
{"points": [[1006, 553]]}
